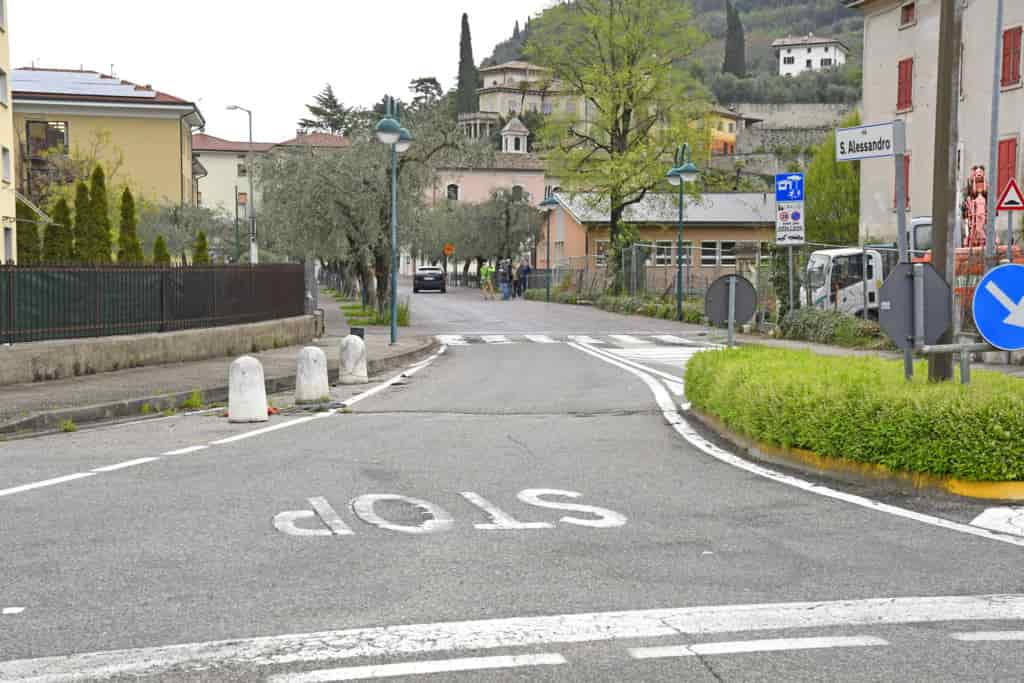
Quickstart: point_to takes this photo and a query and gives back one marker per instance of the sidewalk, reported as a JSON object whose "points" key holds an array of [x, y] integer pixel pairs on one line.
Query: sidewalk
{"points": [[44, 405]]}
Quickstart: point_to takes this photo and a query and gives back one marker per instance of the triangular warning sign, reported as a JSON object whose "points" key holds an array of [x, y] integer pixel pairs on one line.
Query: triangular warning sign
{"points": [[1011, 199]]}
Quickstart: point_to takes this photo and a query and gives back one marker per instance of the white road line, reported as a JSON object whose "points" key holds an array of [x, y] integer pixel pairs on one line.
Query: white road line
{"points": [[628, 339], [452, 340], [988, 636], [584, 339], [273, 428], [540, 339], [686, 430], [495, 339], [1007, 520], [45, 483], [362, 673], [517, 632], [672, 339], [611, 356], [185, 451], [123, 465], [744, 646], [9, 611]]}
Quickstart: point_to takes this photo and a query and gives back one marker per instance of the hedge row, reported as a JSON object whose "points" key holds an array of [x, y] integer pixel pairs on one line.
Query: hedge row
{"points": [[631, 305], [832, 327], [863, 409]]}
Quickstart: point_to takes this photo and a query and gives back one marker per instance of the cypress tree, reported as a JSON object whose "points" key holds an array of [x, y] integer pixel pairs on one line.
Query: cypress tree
{"points": [[59, 245], [82, 245], [129, 247], [101, 216], [28, 235], [515, 31], [735, 43], [161, 257], [467, 100], [201, 251]]}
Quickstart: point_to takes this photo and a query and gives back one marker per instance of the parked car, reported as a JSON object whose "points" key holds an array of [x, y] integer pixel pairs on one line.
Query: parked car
{"points": [[429, 277]]}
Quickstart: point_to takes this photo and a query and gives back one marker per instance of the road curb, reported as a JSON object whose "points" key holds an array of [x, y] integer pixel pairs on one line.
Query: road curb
{"points": [[50, 420], [853, 472]]}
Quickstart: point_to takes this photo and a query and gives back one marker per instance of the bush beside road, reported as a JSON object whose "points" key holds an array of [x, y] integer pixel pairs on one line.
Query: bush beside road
{"points": [[863, 410], [833, 327], [693, 312]]}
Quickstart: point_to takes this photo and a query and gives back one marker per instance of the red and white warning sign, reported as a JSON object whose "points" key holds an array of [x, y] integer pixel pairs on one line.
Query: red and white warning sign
{"points": [[1011, 199]]}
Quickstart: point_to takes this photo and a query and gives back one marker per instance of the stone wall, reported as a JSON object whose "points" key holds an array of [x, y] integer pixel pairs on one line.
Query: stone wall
{"points": [[789, 125]]}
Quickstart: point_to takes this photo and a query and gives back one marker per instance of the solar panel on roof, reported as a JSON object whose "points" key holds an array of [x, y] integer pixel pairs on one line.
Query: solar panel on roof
{"points": [[74, 83]]}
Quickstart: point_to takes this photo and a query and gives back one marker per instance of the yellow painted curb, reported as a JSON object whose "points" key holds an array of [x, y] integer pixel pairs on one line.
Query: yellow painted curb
{"points": [[860, 471]]}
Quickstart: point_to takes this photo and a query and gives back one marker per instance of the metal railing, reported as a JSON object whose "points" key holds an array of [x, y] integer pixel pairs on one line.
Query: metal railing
{"points": [[66, 302]]}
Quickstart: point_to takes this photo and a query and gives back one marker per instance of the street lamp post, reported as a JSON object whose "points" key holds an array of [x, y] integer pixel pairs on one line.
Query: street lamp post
{"points": [[390, 132], [682, 173], [254, 257], [548, 205]]}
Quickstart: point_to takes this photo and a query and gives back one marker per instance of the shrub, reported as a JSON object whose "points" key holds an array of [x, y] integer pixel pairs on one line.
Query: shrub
{"points": [[68, 426], [863, 409], [832, 327], [195, 400]]}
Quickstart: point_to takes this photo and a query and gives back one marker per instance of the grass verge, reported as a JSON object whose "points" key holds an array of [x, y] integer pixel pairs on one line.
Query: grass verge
{"points": [[863, 410], [359, 316]]}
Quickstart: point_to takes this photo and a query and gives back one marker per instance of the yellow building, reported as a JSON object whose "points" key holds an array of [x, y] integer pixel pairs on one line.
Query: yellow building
{"points": [[85, 112], [9, 244]]}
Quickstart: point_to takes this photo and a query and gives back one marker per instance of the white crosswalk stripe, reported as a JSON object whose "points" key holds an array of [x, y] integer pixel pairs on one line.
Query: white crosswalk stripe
{"points": [[495, 339], [672, 339], [452, 339], [584, 339], [540, 339], [628, 339]]}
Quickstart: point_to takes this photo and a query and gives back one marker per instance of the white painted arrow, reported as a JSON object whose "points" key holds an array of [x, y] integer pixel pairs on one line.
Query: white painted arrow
{"points": [[1016, 317]]}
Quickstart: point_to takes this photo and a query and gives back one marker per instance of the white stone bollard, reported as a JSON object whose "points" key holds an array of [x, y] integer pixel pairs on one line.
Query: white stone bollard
{"points": [[311, 385], [353, 361], [247, 393]]}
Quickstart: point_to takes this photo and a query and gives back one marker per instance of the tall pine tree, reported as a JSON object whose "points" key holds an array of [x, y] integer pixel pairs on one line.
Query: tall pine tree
{"points": [[101, 217], [735, 43], [129, 247], [28, 235], [83, 249], [467, 101], [58, 246], [329, 114]]}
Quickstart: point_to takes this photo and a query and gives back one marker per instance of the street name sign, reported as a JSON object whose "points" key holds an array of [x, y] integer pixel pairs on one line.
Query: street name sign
{"points": [[1011, 199], [789, 209], [872, 141], [999, 307]]}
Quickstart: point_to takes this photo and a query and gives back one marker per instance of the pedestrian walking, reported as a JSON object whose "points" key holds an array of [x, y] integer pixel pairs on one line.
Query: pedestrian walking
{"points": [[487, 281], [514, 274], [524, 277], [505, 279]]}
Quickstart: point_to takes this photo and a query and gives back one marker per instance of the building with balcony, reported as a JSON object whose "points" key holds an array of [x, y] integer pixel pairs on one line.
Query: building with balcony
{"points": [[808, 53]]}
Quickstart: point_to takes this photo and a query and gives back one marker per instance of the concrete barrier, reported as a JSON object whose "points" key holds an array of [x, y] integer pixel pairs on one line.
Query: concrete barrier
{"points": [[247, 393], [311, 385], [49, 360], [353, 361]]}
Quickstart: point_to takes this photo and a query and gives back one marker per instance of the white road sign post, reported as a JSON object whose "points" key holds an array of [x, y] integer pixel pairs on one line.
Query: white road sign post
{"points": [[874, 141], [789, 216]]}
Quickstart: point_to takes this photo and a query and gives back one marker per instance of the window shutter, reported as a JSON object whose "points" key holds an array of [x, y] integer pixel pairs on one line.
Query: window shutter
{"points": [[1006, 78], [905, 86], [1007, 163], [1015, 54], [906, 184]]}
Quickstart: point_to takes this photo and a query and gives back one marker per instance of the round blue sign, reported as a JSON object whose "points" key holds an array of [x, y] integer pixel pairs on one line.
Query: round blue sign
{"points": [[796, 215], [999, 307]]}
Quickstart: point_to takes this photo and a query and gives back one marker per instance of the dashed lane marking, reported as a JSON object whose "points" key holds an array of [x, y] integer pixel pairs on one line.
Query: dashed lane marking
{"points": [[45, 483], [745, 646], [516, 632], [361, 673], [10, 611], [186, 451], [541, 339], [989, 636], [1007, 520]]}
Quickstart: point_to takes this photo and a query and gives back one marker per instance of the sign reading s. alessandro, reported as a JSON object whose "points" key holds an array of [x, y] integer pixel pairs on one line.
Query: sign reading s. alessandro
{"points": [[867, 142]]}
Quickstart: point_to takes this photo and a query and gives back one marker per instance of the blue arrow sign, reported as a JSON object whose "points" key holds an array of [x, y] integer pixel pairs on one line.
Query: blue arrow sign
{"points": [[999, 307], [789, 187]]}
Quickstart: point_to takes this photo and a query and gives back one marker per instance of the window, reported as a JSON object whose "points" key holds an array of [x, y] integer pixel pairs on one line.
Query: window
{"points": [[789, 60], [243, 170], [4, 92], [559, 252], [517, 144], [601, 253], [728, 253], [826, 62], [9, 245], [906, 182], [548, 107], [452, 192], [243, 198], [7, 168], [1007, 164], [512, 107], [826, 48], [687, 249], [708, 253], [1011, 57], [732, 127], [808, 50], [663, 253], [810, 64], [533, 107], [905, 85], [766, 252], [908, 14], [44, 135]]}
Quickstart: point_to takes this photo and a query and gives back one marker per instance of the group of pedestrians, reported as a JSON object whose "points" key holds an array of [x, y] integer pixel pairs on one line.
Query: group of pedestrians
{"points": [[511, 279]]}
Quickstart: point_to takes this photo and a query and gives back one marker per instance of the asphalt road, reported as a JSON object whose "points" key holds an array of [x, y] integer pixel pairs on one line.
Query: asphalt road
{"points": [[518, 509]]}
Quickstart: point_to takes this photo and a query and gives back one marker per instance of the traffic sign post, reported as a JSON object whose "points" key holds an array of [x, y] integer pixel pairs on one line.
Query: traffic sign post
{"points": [[1011, 200], [999, 307], [730, 299], [789, 217], [914, 308]]}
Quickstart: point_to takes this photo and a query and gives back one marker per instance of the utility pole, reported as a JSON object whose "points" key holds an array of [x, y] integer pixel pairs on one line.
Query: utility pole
{"points": [[947, 135]]}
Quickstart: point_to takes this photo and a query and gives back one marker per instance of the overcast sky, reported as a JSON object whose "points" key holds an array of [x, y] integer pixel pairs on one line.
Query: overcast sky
{"points": [[271, 57]]}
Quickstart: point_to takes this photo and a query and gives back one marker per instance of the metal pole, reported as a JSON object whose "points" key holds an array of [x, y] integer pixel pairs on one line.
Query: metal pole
{"points": [[548, 261], [792, 300], [679, 254], [864, 281], [254, 256], [899, 133], [1009, 236], [918, 305], [965, 366], [238, 242], [732, 309], [394, 244], [993, 157]]}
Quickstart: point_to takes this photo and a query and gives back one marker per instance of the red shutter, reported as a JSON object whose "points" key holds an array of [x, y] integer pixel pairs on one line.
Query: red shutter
{"points": [[906, 183], [1015, 35], [1007, 164], [905, 85]]}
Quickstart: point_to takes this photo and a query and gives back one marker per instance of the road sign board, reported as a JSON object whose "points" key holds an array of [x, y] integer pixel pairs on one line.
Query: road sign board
{"points": [[999, 307], [716, 301], [449, 249], [789, 187], [1011, 199], [896, 305], [868, 142], [789, 223]]}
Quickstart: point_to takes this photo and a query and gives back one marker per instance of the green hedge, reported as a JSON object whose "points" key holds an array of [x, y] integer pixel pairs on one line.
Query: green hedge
{"points": [[652, 308], [863, 409], [832, 327]]}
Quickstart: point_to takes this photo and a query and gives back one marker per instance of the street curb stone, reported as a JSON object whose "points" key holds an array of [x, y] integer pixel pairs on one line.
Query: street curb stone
{"points": [[50, 421]]}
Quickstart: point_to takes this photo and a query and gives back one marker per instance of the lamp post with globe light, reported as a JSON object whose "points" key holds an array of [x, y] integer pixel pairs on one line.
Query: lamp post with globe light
{"points": [[390, 132], [682, 173]]}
